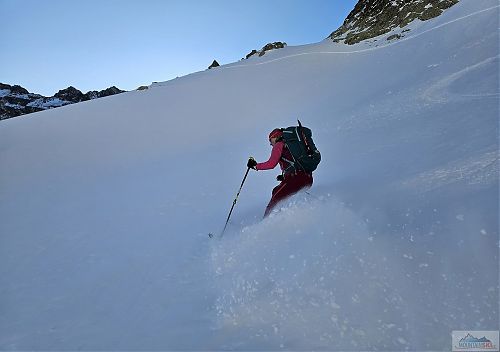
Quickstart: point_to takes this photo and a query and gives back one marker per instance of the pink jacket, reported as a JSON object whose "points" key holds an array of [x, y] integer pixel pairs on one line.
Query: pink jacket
{"points": [[274, 159]]}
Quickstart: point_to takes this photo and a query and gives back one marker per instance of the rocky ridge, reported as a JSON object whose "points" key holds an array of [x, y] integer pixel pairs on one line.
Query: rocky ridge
{"points": [[16, 100], [372, 18]]}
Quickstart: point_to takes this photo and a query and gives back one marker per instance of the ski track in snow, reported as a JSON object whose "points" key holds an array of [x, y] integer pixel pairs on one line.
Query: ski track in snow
{"points": [[438, 92], [477, 170]]}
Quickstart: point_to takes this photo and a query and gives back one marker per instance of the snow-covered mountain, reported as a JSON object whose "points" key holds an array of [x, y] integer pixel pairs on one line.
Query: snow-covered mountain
{"points": [[106, 204], [16, 100]]}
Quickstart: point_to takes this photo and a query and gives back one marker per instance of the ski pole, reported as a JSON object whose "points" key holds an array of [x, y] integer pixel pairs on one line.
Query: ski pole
{"points": [[235, 200], [232, 207]]}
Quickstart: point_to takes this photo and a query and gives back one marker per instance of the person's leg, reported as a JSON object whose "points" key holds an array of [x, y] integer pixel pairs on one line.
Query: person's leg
{"points": [[279, 193], [291, 185]]}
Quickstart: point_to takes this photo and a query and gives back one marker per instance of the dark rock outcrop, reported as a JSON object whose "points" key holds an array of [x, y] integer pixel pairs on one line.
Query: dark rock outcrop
{"points": [[214, 64], [371, 18], [253, 52], [265, 48], [70, 94]]}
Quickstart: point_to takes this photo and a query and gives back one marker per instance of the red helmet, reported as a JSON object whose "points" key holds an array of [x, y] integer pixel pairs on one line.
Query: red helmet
{"points": [[276, 133]]}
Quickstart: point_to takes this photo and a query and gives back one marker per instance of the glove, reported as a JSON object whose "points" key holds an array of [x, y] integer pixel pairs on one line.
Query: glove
{"points": [[251, 163], [280, 178]]}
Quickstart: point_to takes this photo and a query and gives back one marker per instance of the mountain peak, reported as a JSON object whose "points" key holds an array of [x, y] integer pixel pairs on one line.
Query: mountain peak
{"points": [[70, 94], [16, 100], [371, 18]]}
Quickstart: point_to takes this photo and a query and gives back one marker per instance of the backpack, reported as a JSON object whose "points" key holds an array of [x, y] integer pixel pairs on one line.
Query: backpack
{"points": [[299, 142]]}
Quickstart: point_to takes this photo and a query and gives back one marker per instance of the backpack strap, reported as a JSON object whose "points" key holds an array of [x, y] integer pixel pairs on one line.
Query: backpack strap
{"points": [[292, 163], [308, 147]]}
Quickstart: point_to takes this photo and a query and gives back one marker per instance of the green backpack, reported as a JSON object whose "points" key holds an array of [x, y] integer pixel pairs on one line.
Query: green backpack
{"points": [[299, 142]]}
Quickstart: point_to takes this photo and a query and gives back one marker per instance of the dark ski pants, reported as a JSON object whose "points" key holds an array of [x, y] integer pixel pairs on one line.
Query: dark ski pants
{"points": [[292, 183]]}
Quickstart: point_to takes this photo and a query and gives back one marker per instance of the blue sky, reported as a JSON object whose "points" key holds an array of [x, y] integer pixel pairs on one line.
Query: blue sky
{"points": [[93, 44]]}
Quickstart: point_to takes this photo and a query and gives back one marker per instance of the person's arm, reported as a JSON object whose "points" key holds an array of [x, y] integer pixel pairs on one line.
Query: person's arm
{"points": [[273, 159]]}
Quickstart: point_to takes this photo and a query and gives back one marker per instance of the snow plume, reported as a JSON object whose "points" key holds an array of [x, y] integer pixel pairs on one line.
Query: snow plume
{"points": [[316, 275], [290, 298]]}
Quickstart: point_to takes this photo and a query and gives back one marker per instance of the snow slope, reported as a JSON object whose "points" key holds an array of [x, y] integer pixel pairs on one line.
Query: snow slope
{"points": [[106, 205]]}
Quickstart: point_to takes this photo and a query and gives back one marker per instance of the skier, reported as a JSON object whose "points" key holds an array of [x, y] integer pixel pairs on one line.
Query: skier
{"points": [[291, 179]]}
